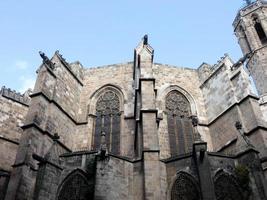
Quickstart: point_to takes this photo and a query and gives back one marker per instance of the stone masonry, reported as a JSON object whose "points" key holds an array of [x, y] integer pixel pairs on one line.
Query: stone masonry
{"points": [[141, 130]]}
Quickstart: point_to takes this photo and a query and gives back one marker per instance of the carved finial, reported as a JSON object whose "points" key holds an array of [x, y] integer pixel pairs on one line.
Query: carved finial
{"points": [[145, 40], [56, 137], [239, 127], [46, 60]]}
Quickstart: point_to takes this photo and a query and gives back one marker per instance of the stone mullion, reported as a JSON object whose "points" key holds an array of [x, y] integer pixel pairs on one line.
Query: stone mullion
{"points": [[172, 134], [176, 134], [111, 134], [106, 129], [188, 130], [97, 132]]}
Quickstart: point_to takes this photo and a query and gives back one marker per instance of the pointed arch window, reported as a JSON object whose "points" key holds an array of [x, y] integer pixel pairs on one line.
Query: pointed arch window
{"points": [[244, 40], [227, 188], [76, 187], [180, 127], [259, 29], [185, 187], [108, 119]]}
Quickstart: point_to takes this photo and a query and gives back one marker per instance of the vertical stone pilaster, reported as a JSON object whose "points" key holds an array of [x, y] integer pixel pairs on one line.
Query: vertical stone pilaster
{"points": [[147, 118], [203, 169]]}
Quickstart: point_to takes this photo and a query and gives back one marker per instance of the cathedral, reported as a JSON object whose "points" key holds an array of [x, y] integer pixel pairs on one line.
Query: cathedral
{"points": [[141, 130]]}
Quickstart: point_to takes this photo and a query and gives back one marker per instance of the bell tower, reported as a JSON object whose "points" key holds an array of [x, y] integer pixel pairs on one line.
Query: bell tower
{"points": [[250, 27]]}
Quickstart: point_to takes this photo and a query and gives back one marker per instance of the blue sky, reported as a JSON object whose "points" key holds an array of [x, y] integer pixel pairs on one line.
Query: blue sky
{"points": [[100, 32]]}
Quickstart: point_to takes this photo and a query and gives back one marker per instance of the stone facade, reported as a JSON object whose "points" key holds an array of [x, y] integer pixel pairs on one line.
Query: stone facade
{"points": [[13, 109], [140, 130]]}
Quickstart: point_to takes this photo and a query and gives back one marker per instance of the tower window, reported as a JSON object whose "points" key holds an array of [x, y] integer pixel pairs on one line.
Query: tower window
{"points": [[260, 31]]}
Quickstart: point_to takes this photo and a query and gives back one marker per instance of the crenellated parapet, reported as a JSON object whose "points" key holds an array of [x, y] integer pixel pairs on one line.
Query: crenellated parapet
{"points": [[16, 96]]}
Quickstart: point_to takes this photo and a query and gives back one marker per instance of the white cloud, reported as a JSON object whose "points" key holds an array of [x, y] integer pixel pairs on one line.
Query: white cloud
{"points": [[26, 83], [20, 64]]}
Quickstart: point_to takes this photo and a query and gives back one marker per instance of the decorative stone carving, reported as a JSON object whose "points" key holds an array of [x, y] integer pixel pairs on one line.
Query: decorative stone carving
{"points": [[46, 60], [108, 121], [185, 188], [226, 187], [108, 104], [75, 187], [177, 104], [180, 128]]}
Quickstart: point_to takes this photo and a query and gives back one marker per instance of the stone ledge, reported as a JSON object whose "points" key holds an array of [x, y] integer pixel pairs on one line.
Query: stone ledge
{"points": [[66, 65], [45, 132], [58, 106], [178, 157], [230, 107], [228, 144], [78, 153], [9, 140]]}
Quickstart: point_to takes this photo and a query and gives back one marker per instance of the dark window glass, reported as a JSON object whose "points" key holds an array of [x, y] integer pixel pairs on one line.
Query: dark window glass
{"points": [[76, 187], [108, 120], [226, 188], [179, 123], [260, 31], [185, 187], [4, 179]]}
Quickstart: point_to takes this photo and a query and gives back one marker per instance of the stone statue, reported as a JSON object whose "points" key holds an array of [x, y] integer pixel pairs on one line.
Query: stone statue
{"points": [[46, 60]]}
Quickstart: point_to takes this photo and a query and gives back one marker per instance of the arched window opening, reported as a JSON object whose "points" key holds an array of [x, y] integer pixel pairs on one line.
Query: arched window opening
{"points": [[259, 29], [108, 120], [244, 40], [76, 187], [4, 179], [227, 188], [185, 187], [180, 128]]}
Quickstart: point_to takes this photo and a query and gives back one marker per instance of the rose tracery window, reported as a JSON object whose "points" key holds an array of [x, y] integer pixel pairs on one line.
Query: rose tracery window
{"points": [[108, 120], [185, 187], [227, 188], [180, 128]]}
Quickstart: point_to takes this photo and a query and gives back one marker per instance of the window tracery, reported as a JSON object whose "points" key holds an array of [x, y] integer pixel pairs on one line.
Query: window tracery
{"points": [[185, 187], [227, 188], [75, 187], [179, 123], [108, 120]]}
